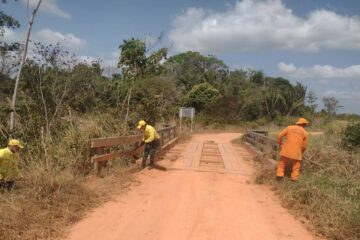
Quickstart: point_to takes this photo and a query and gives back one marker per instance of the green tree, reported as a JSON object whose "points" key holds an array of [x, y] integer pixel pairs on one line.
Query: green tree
{"points": [[191, 68], [272, 99], [155, 99], [21, 64], [256, 77], [200, 95], [136, 65], [294, 98], [8, 50], [7, 21]]}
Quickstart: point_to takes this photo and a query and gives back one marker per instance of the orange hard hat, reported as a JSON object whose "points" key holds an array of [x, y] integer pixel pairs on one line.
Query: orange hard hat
{"points": [[302, 121]]}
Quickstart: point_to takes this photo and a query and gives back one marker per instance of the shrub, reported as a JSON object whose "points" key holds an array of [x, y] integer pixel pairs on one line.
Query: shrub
{"points": [[351, 136]]}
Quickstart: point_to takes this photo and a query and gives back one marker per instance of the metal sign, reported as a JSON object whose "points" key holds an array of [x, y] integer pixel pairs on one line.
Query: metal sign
{"points": [[185, 112]]}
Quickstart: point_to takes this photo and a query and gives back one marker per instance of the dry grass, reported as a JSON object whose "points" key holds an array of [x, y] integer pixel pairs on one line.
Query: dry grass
{"points": [[56, 190], [45, 204], [328, 193]]}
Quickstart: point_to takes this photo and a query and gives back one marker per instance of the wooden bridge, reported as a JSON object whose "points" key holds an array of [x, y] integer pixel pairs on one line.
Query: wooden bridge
{"points": [[202, 155], [209, 192]]}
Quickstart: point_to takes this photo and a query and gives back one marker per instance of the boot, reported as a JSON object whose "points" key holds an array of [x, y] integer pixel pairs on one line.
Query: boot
{"points": [[143, 164], [151, 165]]}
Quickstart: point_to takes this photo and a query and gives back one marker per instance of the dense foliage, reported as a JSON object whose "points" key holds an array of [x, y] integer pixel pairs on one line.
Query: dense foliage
{"points": [[351, 136], [54, 84]]}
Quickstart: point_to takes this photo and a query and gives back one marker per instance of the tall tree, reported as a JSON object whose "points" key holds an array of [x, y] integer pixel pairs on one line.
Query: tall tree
{"points": [[135, 65], [192, 68], [294, 98], [23, 58], [332, 105], [311, 100], [201, 95]]}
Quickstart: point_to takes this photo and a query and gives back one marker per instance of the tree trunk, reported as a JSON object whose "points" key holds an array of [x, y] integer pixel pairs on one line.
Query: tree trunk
{"points": [[13, 104], [127, 111]]}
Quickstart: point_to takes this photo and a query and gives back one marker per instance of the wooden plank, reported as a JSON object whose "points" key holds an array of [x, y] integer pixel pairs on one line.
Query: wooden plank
{"points": [[101, 143], [263, 143], [100, 158], [168, 145], [166, 129], [114, 141], [113, 155]]}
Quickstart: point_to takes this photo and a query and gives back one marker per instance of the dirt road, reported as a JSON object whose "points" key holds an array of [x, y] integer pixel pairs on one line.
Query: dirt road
{"points": [[207, 193]]}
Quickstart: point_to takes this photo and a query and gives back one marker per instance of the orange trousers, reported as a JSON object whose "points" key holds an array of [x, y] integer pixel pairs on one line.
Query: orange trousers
{"points": [[295, 171]]}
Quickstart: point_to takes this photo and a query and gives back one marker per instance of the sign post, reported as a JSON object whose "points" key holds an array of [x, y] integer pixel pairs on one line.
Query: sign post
{"points": [[187, 113]]}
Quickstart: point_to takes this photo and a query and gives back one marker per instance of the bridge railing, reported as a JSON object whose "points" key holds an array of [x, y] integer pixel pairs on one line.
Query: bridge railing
{"points": [[102, 150], [263, 143]]}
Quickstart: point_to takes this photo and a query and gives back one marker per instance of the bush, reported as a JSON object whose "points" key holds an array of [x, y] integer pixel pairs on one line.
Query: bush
{"points": [[351, 136]]}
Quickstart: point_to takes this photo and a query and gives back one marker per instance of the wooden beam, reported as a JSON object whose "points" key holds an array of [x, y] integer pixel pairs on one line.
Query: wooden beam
{"points": [[100, 158], [114, 141]]}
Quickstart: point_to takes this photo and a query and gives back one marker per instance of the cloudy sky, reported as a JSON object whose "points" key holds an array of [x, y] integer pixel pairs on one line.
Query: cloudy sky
{"points": [[316, 43]]}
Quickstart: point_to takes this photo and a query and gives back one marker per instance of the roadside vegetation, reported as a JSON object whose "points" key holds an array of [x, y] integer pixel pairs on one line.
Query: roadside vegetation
{"points": [[328, 193], [62, 102]]}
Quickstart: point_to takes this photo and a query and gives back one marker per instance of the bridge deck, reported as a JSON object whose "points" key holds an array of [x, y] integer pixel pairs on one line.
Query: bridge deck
{"points": [[204, 154]]}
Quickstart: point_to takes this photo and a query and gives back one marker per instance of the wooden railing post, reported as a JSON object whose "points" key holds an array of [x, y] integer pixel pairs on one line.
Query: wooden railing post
{"points": [[99, 149], [263, 143]]}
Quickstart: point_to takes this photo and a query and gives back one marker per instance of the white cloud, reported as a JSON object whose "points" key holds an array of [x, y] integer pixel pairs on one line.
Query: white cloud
{"points": [[263, 24], [286, 68], [68, 40], [88, 59], [50, 7], [319, 71], [10, 36], [354, 95], [47, 36]]}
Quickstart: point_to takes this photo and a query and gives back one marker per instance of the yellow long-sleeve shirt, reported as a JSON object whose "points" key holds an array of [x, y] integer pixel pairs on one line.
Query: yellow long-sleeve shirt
{"points": [[9, 165], [296, 142], [150, 134]]}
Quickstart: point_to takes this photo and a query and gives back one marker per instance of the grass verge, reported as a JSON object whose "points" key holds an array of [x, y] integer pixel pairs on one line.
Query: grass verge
{"points": [[57, 189], [43, 210], [328, 193]]}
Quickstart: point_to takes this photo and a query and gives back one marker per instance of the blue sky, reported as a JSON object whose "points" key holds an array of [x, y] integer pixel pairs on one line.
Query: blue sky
{"points": [[316, 43]]}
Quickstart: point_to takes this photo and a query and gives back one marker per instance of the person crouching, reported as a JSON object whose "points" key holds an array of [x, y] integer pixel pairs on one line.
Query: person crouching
{"points": [[151, 140], [9, 161]]}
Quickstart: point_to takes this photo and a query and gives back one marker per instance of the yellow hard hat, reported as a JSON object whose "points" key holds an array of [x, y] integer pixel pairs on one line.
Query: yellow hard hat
{"points": [[302, 121], [15, 142], [141, 124]]}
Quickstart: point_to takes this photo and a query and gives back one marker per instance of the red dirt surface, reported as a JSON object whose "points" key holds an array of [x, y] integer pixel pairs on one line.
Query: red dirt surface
{"points": [[207, 193]]}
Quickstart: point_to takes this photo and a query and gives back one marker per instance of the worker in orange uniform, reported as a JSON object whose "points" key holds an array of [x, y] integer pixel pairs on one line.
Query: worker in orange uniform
{"points": [[292, 149], [151, 140]]}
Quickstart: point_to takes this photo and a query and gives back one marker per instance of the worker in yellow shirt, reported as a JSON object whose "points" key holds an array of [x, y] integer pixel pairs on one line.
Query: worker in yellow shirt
{"points": [[9, 160], [151, 140], [292, 149]]}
